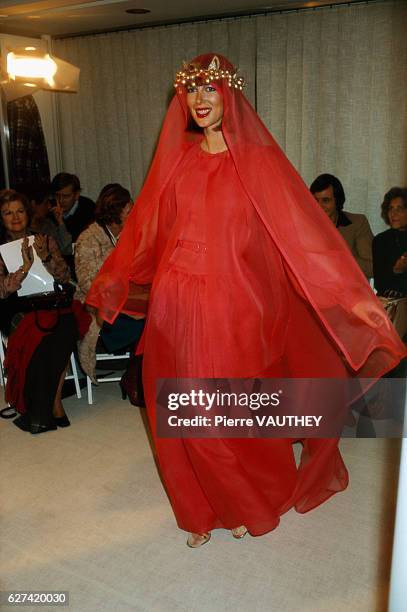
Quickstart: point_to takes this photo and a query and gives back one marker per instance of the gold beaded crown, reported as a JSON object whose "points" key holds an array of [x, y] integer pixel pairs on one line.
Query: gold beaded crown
{"points": [[194, 74]]}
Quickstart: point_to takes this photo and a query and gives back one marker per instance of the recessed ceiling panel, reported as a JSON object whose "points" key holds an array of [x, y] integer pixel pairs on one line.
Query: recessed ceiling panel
{"points": [[70, 17]]}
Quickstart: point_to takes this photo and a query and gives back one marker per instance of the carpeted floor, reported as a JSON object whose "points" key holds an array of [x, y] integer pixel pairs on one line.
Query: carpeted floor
{"points": [[83, 510]]}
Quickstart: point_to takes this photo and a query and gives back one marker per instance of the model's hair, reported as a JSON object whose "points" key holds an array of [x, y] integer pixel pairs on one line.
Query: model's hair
{"points": [[323, 181], [6, 197], [394, 192], [63, 179], [110, 203]]}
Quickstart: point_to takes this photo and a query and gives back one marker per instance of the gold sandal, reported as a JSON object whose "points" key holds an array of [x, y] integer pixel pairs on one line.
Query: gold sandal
{"points": [[239, 532], [195, 540]]}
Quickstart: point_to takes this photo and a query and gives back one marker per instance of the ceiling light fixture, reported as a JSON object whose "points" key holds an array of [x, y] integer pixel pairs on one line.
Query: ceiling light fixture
{"points": [[33, 65]]}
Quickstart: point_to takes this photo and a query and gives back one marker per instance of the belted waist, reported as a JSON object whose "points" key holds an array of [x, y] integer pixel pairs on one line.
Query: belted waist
{"points": [[198, 247]]}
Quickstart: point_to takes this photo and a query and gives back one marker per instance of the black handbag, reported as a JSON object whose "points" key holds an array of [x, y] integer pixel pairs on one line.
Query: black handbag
{"points": [[61, 297]]}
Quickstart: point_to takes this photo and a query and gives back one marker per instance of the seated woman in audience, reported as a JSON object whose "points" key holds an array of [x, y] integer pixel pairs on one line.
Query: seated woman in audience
{"points": [[390, 247], [92, 248], [36, 359], [390, 260]]}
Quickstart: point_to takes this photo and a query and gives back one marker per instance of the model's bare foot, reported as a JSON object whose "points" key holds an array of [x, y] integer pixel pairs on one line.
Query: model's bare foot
{"points": [[239, 532], [195, 540]]}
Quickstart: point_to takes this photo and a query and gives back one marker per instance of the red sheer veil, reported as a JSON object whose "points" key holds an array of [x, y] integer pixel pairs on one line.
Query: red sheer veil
{"points": [[318, 265]]}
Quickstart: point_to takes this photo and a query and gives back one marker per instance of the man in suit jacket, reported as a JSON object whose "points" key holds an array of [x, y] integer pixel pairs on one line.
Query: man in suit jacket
{"points": [[354, 227], [78, 212]]}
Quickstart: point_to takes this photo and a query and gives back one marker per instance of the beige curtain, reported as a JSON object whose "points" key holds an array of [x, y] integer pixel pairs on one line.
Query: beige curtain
{"points": [[330, 84]]}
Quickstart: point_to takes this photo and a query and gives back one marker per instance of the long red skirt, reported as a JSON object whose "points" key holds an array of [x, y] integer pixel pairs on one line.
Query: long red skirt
{"points": [[213, 483]]}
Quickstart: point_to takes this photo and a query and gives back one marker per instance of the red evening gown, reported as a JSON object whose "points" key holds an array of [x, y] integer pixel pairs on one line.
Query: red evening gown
{"points": [[229, 482], [249, 279]]}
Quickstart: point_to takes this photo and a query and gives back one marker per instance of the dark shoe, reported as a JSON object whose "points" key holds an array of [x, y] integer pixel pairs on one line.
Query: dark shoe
{"points": [[131, 383], [129, 391], [22, 423], [123, 388], [62, 421], [37, 429]]}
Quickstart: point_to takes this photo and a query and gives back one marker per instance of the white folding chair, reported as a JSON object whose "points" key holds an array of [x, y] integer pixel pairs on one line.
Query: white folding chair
{"points": [[104, 378], [3, 344], [74, 376]]}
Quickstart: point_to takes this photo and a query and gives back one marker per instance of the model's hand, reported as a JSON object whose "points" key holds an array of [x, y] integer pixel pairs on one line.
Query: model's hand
{"points": [[28, 255], [401, 264], [41, 246], [372, 314]]}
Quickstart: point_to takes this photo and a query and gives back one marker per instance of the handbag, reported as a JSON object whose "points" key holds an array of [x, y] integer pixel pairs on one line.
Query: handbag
{"points": [[61, 297], [396, 308], [137, 300]]}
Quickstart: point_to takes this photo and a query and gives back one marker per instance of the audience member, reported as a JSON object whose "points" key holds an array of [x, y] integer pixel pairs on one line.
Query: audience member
{"points": [[354, 227], [390, 281], [390, 246], [47, 215], [78, 211], [41, 342], [92, 248]]}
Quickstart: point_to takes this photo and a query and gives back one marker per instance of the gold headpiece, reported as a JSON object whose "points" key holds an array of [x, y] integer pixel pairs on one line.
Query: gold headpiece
{"points": [[196, 75]]}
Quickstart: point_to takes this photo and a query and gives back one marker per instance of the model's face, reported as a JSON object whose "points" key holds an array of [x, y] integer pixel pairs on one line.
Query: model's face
{"points": [[205, 104], [67, 197], [398, 214], [14, 217], [327, 202]]}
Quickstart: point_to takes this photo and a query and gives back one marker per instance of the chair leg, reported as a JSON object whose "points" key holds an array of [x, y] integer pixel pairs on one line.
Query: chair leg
{"points": [[89, 384], [75, 377], [3, 378]]}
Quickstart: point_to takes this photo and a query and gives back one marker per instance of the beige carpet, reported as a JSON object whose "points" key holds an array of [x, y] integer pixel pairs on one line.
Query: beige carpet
{"points": [[83, 510]]}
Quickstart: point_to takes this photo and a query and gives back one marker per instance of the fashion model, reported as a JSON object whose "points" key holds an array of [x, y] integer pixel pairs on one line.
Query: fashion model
{"points": [[249, 279]]}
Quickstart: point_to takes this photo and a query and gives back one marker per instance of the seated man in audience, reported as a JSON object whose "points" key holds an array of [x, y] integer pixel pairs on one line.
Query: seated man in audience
{"points": [[78, 211], [354, 228], [47, 216]]}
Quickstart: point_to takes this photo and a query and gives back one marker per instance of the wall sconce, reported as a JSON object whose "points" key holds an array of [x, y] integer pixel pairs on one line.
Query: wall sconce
{"points": [[31, 67]]}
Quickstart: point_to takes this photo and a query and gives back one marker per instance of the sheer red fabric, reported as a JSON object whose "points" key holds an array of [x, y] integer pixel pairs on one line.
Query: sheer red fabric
{"points": [[249, 278]]}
